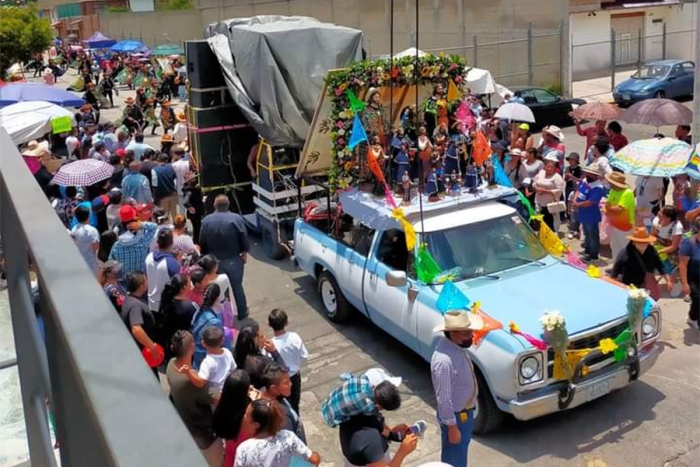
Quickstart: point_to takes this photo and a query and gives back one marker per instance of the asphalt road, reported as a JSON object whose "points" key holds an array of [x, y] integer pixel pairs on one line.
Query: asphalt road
{"points": [[655, 422]]}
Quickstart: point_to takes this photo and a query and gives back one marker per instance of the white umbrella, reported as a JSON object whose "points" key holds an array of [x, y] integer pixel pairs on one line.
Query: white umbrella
{"points": [[515, 112], [25, 121]]}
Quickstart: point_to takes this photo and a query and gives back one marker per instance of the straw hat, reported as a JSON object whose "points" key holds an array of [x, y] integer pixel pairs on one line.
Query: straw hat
{"points": [[129, 101], [456, 320], [640, 235], [554, 131], [86, 108], [516, 152], [371, 92], [34, 149], [181, 117], [593, 169], [617, 179], [167, 139]]}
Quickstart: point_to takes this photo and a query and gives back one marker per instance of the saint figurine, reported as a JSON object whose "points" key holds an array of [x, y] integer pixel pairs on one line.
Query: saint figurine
{"points": [[435, 109], [425, 151], [374, 117], [431, 186], [406, 188]]}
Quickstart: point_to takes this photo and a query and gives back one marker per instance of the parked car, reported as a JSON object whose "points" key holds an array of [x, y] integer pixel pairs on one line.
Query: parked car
{"points": [[547, 107], [494, 257], [668, 79]]}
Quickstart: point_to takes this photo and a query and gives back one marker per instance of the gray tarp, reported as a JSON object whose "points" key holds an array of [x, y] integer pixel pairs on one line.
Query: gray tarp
{"points": [[274, 68]]}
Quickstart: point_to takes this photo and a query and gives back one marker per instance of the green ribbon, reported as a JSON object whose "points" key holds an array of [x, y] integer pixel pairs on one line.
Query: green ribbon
{"points": [[356, 105], [427, 268], [526, 202]]}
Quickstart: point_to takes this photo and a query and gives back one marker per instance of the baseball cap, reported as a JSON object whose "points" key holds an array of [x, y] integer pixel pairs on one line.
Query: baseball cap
{"points": [[121, 152], [378, 375], [128, 214], [524, 126]]}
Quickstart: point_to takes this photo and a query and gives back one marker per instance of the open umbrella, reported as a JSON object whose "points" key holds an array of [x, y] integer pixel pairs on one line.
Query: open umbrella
{"points": [[168, 49], [693, 166], [656, 157], [84, 172], [19, 92], [658, 112], [128, 46], [26, 121], [597, 111], [515, 112]]}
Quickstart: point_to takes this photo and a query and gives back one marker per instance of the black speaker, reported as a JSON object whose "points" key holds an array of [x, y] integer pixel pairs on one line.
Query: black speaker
{"points": [[215, 117], [222, 155], [207, 98], [203, 69]]}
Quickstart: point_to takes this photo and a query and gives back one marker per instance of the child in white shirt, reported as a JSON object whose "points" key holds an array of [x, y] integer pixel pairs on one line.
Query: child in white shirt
{"points": [[218, 363], [292, 349]]}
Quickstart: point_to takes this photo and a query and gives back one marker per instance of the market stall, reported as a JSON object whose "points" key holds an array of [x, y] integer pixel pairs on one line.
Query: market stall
{"points": [[28, 121]]}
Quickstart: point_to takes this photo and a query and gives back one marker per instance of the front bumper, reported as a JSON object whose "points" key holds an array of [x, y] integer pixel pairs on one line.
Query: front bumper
{"points": [[628, 98], [585, 391]]}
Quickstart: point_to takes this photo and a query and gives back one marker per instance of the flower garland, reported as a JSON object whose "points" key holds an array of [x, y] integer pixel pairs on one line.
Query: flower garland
{"points": [[343, 85]]}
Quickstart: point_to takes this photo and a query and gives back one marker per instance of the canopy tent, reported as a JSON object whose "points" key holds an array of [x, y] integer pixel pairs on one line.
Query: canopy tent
{"points": [[409, 52], [129, 46], [20, 92], [26, 121], [99, 41], [168, 49]]}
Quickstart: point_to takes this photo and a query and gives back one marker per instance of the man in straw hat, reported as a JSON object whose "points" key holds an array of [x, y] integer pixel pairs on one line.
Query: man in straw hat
{"points": [[180, 131], [167, 116], [638, 261], [619, 210], [553, 143], [587, 202], [132, 117], [454, 382]]}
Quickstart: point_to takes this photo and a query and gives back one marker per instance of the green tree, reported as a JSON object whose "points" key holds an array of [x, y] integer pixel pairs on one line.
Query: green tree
{"points": [[22, 34]]}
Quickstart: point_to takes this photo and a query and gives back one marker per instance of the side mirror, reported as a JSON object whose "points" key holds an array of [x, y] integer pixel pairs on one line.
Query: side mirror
{"points": [[396, 278]]}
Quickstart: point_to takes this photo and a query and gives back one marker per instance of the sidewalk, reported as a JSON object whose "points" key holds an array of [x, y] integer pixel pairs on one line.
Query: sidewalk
{"points": [[598, 89]]}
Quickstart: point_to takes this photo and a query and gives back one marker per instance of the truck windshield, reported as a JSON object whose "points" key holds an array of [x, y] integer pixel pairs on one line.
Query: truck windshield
{"points": [[484, 248]]}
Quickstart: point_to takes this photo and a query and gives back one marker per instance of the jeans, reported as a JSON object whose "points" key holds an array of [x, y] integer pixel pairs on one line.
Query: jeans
{"points": [[456, 454], [574, 224], [295, 396], [233, 268], [591, 240]]}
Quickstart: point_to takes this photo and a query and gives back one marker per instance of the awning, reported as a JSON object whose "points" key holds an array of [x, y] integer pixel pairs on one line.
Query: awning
{"points": [[73, 23], [626, 4]]}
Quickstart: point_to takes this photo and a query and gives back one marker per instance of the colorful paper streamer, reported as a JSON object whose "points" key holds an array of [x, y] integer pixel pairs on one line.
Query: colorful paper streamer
{"points": [[499, 175], [526, 202], [389, 197], [451, 298], [452, 91], [374, 166], [357, 134], [427, 268], [356, 105], [407, 228], [551, 241], [490, 324], [539, 344], [481, 150], [573, 260], [593, 271]]}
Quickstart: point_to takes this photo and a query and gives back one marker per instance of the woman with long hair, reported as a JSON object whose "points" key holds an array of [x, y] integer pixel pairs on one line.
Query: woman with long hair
{"points": [[206, 316], [197, 276], [225, 305], [270, 446], [107, 240], [183, 245], [176, 309], [110, 273], [229, 413], [253, 352]]}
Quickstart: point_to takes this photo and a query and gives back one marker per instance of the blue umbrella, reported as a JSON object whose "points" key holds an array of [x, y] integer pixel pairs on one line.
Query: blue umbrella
{"points": [[20, 92], [128, 46]]}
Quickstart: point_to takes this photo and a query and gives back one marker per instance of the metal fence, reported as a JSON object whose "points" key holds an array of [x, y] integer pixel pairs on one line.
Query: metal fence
{"points": [[628, 51], [108, 408]]}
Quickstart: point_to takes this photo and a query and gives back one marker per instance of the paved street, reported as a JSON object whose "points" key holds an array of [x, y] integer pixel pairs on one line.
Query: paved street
{"points": [[653, 423]]}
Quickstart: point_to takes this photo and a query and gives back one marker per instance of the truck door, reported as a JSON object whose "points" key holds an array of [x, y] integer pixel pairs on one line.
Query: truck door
{"points": [[349, 269], [389, 307]]}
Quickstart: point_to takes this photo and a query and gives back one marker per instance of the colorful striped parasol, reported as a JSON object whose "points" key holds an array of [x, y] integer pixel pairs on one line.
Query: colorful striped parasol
{"points": [[692, 168], [656, 157]]}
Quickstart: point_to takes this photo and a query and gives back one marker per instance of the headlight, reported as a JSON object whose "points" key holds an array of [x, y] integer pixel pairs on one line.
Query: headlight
{"points": [[530, 370], [650, 326]]}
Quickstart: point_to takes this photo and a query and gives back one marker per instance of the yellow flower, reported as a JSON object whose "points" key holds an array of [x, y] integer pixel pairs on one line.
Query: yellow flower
{"points": [[607, 346], [514, 328], [441, 55], [593, 271]]}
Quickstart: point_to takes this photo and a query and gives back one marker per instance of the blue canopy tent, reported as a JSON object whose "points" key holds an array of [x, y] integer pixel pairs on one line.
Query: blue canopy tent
{"points": [[99, 41], [129, 46]]}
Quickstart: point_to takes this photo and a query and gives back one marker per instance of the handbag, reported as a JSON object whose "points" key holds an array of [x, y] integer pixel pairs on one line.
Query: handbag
{"points": [[556, 207]]}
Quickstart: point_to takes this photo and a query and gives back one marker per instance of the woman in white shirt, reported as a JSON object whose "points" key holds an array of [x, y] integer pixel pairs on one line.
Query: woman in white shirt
{"points": [[549, 187], [668, 231], [530, 165], [270, 446]]}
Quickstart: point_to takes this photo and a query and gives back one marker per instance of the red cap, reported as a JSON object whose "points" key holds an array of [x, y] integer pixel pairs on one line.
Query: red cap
{"points": [[121, 152], [128, 214]]}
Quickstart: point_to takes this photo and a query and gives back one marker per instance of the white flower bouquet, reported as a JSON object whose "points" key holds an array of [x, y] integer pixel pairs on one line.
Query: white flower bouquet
{"points": [[636, 300], [555, 333]]}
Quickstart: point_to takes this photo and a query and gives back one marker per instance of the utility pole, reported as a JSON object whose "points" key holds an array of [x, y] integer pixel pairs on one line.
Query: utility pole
{"points": [[564, 48], [696, 88]]}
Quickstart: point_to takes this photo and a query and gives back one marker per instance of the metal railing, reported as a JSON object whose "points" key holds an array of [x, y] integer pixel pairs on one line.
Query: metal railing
{"points": [[109, 409]]}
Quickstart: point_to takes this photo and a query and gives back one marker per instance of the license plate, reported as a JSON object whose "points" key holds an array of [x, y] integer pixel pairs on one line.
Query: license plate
{"points": [[626, 97], [599, 389]]}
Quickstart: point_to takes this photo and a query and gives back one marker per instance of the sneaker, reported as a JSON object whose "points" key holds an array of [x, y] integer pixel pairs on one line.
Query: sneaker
{"points": [[677, 290], [589, 259], [419, 428], [693, 324]]}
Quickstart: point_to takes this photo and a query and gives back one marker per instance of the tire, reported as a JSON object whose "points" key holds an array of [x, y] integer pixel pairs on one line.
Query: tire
{"points": [[488, 416], [334, 303], [271, 242], [659, 95]]}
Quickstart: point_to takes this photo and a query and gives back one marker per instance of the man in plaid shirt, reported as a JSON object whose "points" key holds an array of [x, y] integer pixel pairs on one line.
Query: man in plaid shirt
{"points": [[132, 247], [362, 395]]}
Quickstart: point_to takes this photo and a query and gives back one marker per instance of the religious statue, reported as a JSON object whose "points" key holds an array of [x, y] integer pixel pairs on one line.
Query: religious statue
{"points": [[406, 188], [435, 109], [374, 117], [431, 186]]}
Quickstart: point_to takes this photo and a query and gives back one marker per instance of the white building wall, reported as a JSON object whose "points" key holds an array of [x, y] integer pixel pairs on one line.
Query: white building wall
{"points": [[590, 38]]}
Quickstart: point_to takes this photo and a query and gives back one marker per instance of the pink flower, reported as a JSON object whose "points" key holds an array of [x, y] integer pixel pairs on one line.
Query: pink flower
{"points": [[340, 142], [338, 91], [339, 124]]}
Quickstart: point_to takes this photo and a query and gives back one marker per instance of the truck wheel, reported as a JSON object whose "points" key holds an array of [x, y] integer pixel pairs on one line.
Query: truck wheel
{"points": [[334, 303], [271, 242], [488, 416]]}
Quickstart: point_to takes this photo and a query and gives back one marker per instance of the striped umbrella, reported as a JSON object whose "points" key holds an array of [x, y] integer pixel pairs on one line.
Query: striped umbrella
{"points": [[84, 172], [693, 166], [656, 157]]}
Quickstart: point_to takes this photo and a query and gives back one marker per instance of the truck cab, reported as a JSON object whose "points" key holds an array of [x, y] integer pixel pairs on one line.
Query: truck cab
{"points": [[491, 254]]}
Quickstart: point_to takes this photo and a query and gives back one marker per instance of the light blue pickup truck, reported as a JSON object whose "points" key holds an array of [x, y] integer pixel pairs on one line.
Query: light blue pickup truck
{"points": [[495, 258]]}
